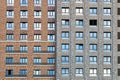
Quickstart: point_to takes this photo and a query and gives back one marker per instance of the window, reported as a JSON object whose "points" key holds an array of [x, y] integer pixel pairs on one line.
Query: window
{"points": [[65, 71], [23, 36], [79, 11], [51, 60], [107, 35], [23, 72], [93, 1], [51, 2], [79, 59], [37, 49], [93, 59], [23, 48], [51, 37], [23, 60], [10, 25], [93, 35], [9, 72], [65, 59], [23, 25], [107, 23], [51, 26], [37, 37], [107, 72], [23, 14], [9, 60], [37, 60], [118, 59], [24, 2], [118, 11], [37, 26], [93, 23], [118, 35], [118, 72], [118, 46], [107, 1], [107, 59], [10, 14], [37, 2], [106, 11], [79, 35], [79, 71], [65, 1], [79, 47], [37, 72], [93, 11], [65, 47], [65, 23], [65, 34], [118, 1], [107, 47], [79, 1], [93, 47], [51, 48], [10, 2], [9, 48], [79, 23], [118, 23], [37, 14], [65, 11], [93, 71], [9, 37], [51, 14], [51, 72]]}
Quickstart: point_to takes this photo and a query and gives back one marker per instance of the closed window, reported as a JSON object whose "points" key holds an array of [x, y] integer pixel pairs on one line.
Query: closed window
{"points": [[23, 36], [107, 35], [51, 72], [65, 59], [107, 59], [51, 2], [51, 26], [65, 23], [23, 25], [10, 14], [93, 1], [79, 23], [51, 48], [107, 72], [37, 2], [107, 23], [93, 23], [37, 60], [23, 48], [37, 14], [93, 11], [24, 2], [9, 72], [79, 1], [51, 60], [9, 60], [118, 11], [107, 47], [93, 59], [79, 11], [79, 59], [65, 1], [37, 49], [65, 34], [23, 60], [37, 26], [37, 37], [79, 35], [93, 35], [37, 72], [10, 25], [118, 23], [23, 14], [107, 1], [79, 71], [65, 11], [51, 14], [65, 47], [10, 2], [9, 48], [106, 11], [93, 72], [93, 47], [23, 72], [51, 37], [9, 37], [79, 47], [65, 71]]}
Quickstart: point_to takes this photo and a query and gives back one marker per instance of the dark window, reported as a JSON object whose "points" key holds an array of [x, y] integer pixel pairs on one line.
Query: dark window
{"points": [[118, 47], [118, 72], [93, 22], [118, 1], [118, 23], [118, 59], [9, 72], [118, 35], [118, 11]]}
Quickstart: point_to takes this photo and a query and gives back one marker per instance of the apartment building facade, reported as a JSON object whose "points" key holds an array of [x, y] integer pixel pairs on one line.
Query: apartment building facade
{"points": [[27, 40], [88, 40]]}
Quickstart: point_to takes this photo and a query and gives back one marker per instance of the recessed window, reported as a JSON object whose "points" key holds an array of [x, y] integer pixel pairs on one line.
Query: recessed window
{"points": [[118, 23], [51, 2], [23, 60], [93, 47], [65, 1], [10, 26], [79, 35], [51, 60], [79, 23], [107, 35], [93, 0], [107, 23], [37, 49], [37, 60], [118, 72], [65, 11], [10, 2], [106, 59], [9, 37], [10, 14], [93, 11], [107, 47], [65, 23], [37, 14], [118, 35], [79, 71], [37, 72], [9, 48], [93, 23], [79, 11], [23, 36], [9, 60], [93, 35], [23, 48], [118, 47], [65, 34], [51, 72], [79, 1], [24, 2], [51, 48], [79, 59], [93, 72], [51, 14], [65, 59], [9, 72], [37, 37], [65, 71], [106, 72], [23, 72], [65, 47], [118, 1], [106, 11], [23, 25], [51, 26], [79, 47], [37, 26], [118, 11], [93, 59], [51, 37], [37, 2], [107, 1], [23, 14]]}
